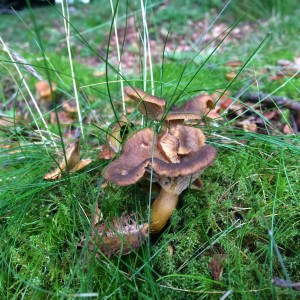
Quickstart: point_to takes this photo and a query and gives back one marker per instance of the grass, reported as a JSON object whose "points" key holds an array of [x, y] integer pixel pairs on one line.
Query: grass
{"points": [[248, 210]]}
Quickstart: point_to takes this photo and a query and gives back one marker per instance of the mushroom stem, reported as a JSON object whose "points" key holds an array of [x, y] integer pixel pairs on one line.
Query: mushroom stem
{"points": [[161, 210]]}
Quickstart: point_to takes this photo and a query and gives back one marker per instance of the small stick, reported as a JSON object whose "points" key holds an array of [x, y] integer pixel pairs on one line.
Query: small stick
{"points": [[294, 124], [271, 101], [286, 283]]}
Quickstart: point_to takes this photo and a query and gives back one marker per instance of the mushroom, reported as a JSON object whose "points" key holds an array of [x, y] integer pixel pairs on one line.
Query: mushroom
{"points": [[202, 105], [150, 106], [154, 107], [176, 158]]}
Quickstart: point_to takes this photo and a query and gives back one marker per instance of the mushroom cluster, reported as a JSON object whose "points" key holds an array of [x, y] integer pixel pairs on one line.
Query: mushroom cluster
{"points": [[173, 158]]}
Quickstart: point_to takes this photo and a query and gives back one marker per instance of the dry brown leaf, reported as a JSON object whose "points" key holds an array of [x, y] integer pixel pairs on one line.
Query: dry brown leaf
{"points": [[234, 63], [99, 73], [71, 160], [248, 124], [287, 129], [53, 175], [225, 102], [69, 108], [290, 71], [106, 152], [197, 184], [269, 115], [216, 266], [64, 118], [72, 157], [81, 164], [6, 122], [276, 77]]}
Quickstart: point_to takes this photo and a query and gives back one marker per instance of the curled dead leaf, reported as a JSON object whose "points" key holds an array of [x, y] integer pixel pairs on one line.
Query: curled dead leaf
{"points": [[216, 266], [64, 118], [71, 160], [69, 108], [106, 152], [81, 164], [287, 129]]}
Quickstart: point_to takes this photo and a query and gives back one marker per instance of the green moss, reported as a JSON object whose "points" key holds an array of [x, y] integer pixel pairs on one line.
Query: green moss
{"points": [[252, 189]]}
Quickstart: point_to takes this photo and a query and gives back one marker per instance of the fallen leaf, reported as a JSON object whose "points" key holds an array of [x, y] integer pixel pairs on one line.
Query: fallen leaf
{"points": [[287, 129], [64, 118], [269, 115], [197, 184], [99, 73], [69, 108], [248, 124], [118, 132], [106, 152], [71, 160], [6, 122], [81, 164], [234, 63], [276, 77], [216, 266]]}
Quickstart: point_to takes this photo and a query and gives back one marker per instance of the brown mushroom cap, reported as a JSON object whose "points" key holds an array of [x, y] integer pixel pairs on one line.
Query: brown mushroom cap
{"points": [[139, 152], [191, 139], [193, 109], [173, 115], [149, 105], [193, 163], [174, 118], [199, 104], [136, 155]]}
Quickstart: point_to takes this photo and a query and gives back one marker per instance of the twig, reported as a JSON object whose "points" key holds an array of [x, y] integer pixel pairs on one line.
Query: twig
{"points": [[244, 88], [273, 101], [286, 283], [294, 124]]}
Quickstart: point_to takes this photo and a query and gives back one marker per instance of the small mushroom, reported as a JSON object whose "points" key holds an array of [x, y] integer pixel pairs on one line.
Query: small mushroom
{"points": [[154, 107], [174, 118], [195, 108], [144, 152], [45, 90], [150, 106]]}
